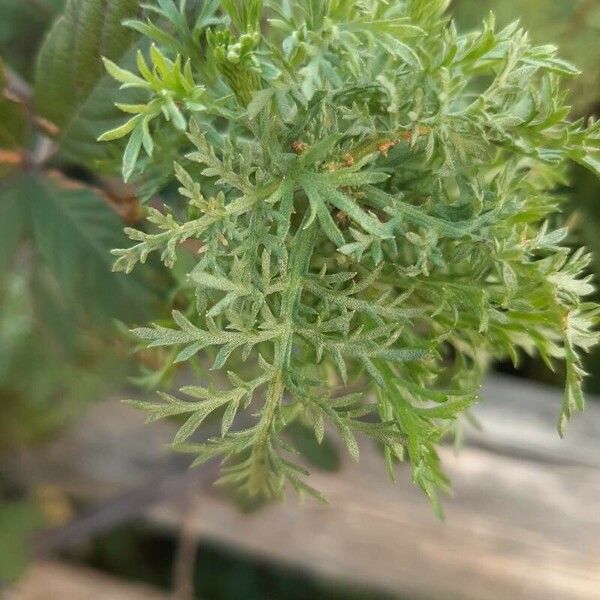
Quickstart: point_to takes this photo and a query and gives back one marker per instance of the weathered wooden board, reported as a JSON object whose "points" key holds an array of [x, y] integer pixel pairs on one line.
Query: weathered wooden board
{"points": [[519, 418], [107, 452], [57, 581], [515, 529], [524, 523]]}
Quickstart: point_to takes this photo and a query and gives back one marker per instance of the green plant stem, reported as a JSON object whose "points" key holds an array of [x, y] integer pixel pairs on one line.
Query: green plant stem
{"points": [[301, 251]]}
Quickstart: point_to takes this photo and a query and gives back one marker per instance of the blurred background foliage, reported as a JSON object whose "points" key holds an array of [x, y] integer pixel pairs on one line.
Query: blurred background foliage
{"points": [[60, 347], [18, 518], [62, 211], [58, 222], [23, 24]]}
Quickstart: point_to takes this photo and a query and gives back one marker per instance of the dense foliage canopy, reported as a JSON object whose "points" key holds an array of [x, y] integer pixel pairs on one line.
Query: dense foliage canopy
{"points": [[371, 196]]}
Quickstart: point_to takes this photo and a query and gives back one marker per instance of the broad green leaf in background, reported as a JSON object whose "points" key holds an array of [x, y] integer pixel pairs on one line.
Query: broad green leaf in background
{"points": [[51, 365], [72, 88], [23, 24], [73, 232]]}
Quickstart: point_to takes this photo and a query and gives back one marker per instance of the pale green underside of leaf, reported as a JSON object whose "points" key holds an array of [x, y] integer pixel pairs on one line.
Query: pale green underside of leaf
{"points": [[72, 89]]}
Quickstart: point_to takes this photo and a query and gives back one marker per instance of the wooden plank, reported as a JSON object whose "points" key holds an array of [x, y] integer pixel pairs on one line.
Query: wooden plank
{"points": [[109, 451], [519, 418], [52, 580], [524, 522], [515, 529]]}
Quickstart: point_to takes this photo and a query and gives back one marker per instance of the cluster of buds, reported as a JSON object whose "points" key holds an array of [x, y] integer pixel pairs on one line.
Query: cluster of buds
{"points": [[237, 62]]}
